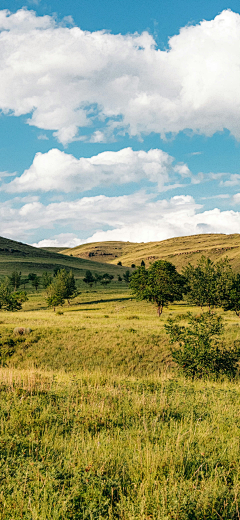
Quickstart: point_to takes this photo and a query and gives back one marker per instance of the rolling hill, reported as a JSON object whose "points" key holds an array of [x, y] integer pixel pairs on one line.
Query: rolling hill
{"points": [[179, 251], [22, 257]]}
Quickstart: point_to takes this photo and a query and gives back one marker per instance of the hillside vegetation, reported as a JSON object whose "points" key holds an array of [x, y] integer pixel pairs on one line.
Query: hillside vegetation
{"points": [[22, 257], [179, 250]]}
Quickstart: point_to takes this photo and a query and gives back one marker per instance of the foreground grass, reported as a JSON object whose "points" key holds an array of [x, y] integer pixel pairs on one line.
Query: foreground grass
{"points": [[96, 424], [87, 446]]}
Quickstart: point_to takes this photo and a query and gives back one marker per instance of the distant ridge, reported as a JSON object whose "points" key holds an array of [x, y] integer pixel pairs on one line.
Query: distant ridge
{"points": [[179, 250]]}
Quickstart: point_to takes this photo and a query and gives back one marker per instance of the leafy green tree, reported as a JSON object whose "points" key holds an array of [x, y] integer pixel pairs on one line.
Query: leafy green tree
{"points": [[15, 280], [231, 299], [197, 348], [70, 285], [36, 282], [46, 279], [133, 266], [119, 263], [208, 283], [9, 300], [89, 278], [160, 284], [142, 263], [119, 278], [63, 287]]}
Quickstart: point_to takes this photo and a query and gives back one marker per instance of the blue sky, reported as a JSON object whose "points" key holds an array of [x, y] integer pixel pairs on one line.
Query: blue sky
{"points": [[119, 120]]}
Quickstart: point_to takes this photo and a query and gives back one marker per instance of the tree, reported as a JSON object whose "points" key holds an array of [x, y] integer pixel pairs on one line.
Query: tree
{"points": [[46, 279], [35, 279], [197, 349], [15, 280], [89, 278], [63, 287], [133, 266], [231, 299], [160, 284], [119, 263], [36, 282], [208, 283], [142, 263], [119, 278], [10, 301]]}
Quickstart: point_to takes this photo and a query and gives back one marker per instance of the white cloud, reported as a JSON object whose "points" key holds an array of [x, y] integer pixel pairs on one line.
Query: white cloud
{"points": [[138, 218], [61, 240], [66, 77], [56, 170]]}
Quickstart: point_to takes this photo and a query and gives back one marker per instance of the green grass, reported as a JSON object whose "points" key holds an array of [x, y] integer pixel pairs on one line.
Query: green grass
{"points": [[97, 424], [87, 446]]}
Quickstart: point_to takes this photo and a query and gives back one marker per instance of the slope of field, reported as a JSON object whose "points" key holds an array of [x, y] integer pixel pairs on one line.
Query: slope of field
{"points": [[15, 255], [179, 251], [102, 251]]}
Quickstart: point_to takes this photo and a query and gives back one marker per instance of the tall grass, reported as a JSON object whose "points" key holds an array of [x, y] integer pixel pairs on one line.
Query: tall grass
{"points": [[86, 446], [96, 424]]}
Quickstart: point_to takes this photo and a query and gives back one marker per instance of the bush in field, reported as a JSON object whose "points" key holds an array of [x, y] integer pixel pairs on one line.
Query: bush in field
{"points": [[197, 348], [9, 300]]}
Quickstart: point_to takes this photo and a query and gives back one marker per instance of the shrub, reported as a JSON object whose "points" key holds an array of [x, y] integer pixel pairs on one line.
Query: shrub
{"points": [[197, 348]]}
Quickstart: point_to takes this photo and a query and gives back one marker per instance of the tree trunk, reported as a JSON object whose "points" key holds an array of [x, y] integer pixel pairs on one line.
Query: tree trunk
{"points": [[159, 310]]}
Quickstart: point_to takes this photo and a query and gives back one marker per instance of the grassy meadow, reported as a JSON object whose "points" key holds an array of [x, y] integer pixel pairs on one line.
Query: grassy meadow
{"points": [[96, 423]]}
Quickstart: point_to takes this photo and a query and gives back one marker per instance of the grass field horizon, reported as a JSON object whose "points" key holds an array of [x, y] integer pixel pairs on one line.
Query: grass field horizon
{"points": [[97, 423]]}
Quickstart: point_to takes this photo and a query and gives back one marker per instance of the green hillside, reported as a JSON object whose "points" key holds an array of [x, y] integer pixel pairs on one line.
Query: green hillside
{"points": [[22, 257], [179, 251]]}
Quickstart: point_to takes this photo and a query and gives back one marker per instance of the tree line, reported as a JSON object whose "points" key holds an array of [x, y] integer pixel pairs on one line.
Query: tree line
{"points": [[207, 284]]}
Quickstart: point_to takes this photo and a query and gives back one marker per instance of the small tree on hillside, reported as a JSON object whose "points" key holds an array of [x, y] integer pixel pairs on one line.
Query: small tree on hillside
{"points": [[142, 263], [160, 284]]}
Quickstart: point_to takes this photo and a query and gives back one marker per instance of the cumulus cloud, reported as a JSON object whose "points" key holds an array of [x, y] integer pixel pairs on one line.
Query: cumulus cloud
{"points": [[66, 78], [56, 170], [138, 218]]}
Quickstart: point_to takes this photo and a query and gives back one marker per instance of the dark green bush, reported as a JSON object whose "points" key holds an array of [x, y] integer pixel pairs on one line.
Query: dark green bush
{"points": [[197, 348]]}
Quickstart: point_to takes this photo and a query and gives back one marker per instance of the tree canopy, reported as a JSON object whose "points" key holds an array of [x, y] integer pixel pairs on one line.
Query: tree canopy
{"points": [[63, 287], [160, 284]]}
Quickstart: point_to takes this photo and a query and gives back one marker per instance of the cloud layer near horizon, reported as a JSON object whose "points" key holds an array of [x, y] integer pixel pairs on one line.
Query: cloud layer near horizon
{"points": [[123, 81], [137, 218]]}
